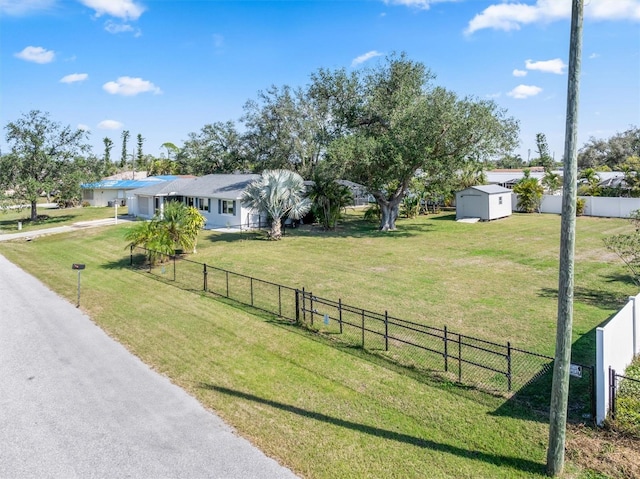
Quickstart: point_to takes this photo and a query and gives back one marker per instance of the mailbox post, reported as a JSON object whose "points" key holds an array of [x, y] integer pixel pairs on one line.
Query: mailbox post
{"points": [[79, 267]]}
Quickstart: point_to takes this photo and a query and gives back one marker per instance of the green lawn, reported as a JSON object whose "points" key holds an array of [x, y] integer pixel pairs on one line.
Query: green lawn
{"points": [[51, 217], [334, 412]]}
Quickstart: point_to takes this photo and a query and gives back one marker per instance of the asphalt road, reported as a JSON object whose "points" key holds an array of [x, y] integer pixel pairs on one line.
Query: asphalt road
{"points": [[76, 404]]}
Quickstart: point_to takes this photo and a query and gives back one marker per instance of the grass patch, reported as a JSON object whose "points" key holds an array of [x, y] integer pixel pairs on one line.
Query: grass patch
{"points": [[336, 412], [51, 217]]}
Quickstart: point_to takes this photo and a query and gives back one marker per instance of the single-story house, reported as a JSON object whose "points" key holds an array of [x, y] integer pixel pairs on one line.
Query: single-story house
{"points": [[111, 191], [216, 196], [487, 202]]}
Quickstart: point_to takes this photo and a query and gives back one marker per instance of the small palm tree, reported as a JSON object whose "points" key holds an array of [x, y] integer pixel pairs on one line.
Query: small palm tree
{"points": [[552, 182], [279, 194], [176, 228], [590, 180], [529, 193], [329, 198]]}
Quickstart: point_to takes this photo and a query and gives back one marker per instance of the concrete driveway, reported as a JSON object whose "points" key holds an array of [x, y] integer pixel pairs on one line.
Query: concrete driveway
{"points": [[75, 404]]}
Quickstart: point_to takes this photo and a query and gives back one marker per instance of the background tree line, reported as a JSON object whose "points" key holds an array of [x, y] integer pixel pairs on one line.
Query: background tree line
{"points": [[387, 127]]}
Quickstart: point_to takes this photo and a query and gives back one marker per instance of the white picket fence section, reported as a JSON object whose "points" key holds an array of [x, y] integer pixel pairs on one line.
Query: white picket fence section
{"points": [[617, 342], [594, 206]]}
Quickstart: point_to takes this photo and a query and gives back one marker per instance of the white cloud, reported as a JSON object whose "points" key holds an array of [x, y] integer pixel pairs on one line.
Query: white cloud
{"points": [[125, 9], [110, 125], [511, 15], [36, 55], [594, 55], [524, 91], [114, 27], [74, 77], [363, 58], [422, 4], [519, 73], [128, 86], [83, 127], [18, 8], [556, 66]]}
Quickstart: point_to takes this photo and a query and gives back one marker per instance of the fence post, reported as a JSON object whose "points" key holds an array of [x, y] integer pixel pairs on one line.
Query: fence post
{"points": [[340, 314], [205, 274], [251, 288], [311, 306], [363, 329], [297, 306], [304, 306], [459, 358], [446, 351], [227, 278], [612, 392], [509, 366], [594, 411], [279, 302], [386, 331]]}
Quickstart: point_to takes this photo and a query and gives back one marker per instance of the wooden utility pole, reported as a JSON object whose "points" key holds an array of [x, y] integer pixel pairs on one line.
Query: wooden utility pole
{"points": [[561, 366]]}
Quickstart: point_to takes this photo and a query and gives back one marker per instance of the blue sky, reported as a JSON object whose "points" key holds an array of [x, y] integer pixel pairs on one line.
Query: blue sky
{"points": [[165, 68]]}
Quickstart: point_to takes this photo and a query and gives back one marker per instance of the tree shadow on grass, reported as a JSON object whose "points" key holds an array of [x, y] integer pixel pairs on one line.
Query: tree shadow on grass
{"points": [[521, 464], [12, 225], [592, 297]]}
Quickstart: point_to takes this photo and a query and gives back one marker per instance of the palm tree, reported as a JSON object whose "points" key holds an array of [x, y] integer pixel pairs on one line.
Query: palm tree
{"points": [[329, 197], [552, 182], [182, 224], [279, 194], [590, 180], [176, 227], [529, 193]]}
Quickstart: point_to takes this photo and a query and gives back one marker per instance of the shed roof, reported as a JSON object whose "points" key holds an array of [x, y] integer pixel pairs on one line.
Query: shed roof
{"points": [[489, 189]]}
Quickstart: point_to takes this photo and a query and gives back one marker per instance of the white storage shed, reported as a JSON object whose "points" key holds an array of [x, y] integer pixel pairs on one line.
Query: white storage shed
{"points": [[487, 202]]}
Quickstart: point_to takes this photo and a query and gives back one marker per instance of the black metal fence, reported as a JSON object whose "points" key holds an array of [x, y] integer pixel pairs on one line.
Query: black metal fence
{"points": [[485, 364], [621, 386]]}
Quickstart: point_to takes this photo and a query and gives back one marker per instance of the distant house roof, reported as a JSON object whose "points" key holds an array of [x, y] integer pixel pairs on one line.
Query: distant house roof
{"points": [[219, 186], [489, 189], [108, 184]]}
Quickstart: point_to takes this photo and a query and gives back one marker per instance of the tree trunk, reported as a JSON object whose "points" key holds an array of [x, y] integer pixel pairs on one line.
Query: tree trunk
{"points": [[34, 210], [276, 230], [389, 210]]}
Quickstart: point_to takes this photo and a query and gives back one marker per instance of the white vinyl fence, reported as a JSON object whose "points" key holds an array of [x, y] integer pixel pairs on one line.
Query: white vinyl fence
{"points": [[594, 206], [617, 342]]}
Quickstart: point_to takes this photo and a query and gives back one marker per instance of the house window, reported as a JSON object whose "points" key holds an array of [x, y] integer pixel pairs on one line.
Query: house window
{"points": [[499, 200], [203, 204], [87, 194], [189, 201], [226, 207]]}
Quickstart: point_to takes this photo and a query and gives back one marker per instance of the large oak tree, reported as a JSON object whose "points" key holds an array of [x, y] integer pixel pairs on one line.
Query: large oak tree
{"points": [[397, 124], [41, 152]]}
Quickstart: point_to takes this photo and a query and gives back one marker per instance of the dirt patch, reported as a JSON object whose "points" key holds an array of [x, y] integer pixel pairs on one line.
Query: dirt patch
{"points": [[605, 452]]}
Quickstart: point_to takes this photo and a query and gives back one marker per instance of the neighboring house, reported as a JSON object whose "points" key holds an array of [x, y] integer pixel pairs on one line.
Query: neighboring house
{"points": [[508, 178], [217, 197], [487, 202], [110, 191]]}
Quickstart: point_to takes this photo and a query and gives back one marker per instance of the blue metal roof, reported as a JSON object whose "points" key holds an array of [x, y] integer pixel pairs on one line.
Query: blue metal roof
{"points": [[127, 184]]}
